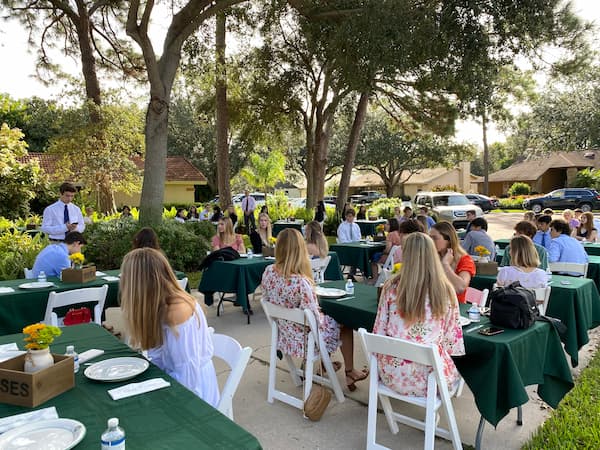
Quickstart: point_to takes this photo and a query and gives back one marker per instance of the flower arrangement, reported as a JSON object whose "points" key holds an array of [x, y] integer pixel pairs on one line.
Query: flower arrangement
{"points": [[397, 267], [40, 335], [272, 241], [380, 228], [77, 259], [482, 251]]}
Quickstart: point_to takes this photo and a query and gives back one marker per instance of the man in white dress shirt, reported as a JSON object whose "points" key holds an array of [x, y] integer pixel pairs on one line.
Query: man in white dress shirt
{"points": [[63, 216], [349, 231], [248, 207]]}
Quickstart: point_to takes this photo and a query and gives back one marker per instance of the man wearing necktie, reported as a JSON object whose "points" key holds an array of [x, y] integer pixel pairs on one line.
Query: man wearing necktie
{"points": [[63, 216], [542, 237], [248, 207]]}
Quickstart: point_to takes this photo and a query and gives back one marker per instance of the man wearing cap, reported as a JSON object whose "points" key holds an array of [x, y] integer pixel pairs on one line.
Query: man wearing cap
{"points": [[55, 257], [63, 216]]}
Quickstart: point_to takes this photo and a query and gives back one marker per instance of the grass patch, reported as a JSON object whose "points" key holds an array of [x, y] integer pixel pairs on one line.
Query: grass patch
{"points": [[575, 423], [193, 279]]}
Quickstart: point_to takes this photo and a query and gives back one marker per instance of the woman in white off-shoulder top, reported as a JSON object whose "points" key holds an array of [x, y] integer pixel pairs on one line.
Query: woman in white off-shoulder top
{"points": [[524, 269], [165, 320]]}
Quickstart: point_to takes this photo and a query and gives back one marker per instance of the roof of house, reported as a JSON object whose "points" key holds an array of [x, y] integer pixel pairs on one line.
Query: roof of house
{"points": [[178, 167], [425, 176], [533, 169]]}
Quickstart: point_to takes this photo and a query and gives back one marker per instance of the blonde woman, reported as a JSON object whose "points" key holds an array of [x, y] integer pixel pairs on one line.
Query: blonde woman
{"points": [[459, 266], [524, 260], [262, 235], [168, 322], [225, 236], [569, 217], [529, 216], [289, 282], [419, 304], [316, 243], [586, 230]]}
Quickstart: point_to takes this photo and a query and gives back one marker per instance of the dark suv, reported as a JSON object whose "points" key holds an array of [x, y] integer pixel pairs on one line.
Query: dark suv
{"points": [[584, 198]]}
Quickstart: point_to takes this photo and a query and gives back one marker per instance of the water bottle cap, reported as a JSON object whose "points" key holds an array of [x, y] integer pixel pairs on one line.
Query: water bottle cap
{"points": [[113, 422], [42, 273], [70, 348]]}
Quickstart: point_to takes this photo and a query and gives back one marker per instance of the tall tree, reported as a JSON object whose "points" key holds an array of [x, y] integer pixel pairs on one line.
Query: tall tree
{"points": [[222, 114], [265, 172]]}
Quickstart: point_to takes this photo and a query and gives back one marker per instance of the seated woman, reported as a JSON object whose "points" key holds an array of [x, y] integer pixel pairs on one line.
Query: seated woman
{"points": [[168, 322], [524, 265], [320, 213], [193, 215], [362, 213], [180, 215], [217, 214], [458, 266], [586, 230], [419, 305], [262, 235], [393, 238], [225, 237], [316, 243], [289, 282], [126, 212]]}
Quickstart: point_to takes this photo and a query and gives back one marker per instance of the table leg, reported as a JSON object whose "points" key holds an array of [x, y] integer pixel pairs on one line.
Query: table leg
{"points": [[479, 434]]}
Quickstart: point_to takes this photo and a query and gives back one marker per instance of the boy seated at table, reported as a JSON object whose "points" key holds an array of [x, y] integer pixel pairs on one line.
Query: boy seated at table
{"points": [[563, 247], [55, 257], [478, 236], [349, 231]]}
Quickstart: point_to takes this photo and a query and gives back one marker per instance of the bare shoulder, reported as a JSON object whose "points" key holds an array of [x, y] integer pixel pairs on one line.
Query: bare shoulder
{"points": [[179, 311]]}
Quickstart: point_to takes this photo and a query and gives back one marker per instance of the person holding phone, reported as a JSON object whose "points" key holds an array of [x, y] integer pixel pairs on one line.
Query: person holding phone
{"points": [[63, 216]]}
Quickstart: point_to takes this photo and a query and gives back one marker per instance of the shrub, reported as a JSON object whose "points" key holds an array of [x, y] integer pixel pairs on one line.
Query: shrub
{"points": [[445, 187], [511, 203], [519, 188], [18, 251], [587, 178]]}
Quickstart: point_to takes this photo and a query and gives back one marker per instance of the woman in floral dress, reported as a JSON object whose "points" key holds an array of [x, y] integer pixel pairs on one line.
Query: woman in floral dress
{"points": [[419, 305], [289, 282]]}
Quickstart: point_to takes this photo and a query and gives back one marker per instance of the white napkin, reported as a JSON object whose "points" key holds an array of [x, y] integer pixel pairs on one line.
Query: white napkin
{"points": [[110, 278], [99, 274], [10, 422], [131, 389], [9, 351], [6, 290]]}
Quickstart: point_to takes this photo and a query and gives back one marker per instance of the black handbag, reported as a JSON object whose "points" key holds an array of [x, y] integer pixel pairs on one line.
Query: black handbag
{"points": [[513, 306]]}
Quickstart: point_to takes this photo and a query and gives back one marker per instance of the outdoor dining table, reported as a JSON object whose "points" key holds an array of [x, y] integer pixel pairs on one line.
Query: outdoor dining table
{"points": [[496, 368], [25, 306], [590, 248], [357, 254], [576, 304], [242, 276], [368, 227], [283, 224], [171, 417]]}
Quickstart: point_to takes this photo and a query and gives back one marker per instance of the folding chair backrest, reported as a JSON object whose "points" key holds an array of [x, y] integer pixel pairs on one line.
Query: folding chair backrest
{"points": [[389, 262], [399, 348], [183, 283], [542, 295], [319, 265], [28, 273], [476, 296], [74, 297], [567, 267]]}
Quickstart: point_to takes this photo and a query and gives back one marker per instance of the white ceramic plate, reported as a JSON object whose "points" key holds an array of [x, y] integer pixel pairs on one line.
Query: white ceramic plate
{"points": [[463, 321], [329, 292], [51, 434], [36, 285], [116, 369]]}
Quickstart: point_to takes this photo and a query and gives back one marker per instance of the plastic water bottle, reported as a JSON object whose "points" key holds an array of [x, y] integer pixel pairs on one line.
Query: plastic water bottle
{"points": [[249, 253], [114, 437], [349, 287], [42, 277], [71, 352], [548, 275], [497, 249], [474, 313]]}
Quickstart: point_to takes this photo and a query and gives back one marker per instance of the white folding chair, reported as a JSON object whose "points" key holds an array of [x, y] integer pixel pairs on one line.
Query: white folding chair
{"points": [[319, 266], [28, 273], [542, 295], [315, 349], [183, 283], [387, 267], [73, 297], [580, 270], [437, 391], [236, 357], [477, 297]]}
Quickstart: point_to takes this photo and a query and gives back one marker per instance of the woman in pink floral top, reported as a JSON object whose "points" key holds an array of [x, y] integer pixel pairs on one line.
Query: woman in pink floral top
{"points": [[419, 305], [289, 283]]}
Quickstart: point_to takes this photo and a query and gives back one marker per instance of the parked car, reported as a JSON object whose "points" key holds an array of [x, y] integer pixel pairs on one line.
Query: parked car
{"points": [[483, 201], [258, 196], [301, 202], [449, 206], [584, 198], [366, 197]]}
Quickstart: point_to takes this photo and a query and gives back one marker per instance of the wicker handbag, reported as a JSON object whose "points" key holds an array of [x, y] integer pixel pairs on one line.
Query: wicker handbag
{"points": [[319, 397]]}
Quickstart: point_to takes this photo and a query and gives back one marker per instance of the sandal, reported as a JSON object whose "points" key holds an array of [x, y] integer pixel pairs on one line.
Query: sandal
{"points": [[354, 378]]}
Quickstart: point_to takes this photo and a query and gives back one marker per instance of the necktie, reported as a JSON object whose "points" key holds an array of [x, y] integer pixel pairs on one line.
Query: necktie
{"points": [[66, 217], [246, 204], [543, 239]]}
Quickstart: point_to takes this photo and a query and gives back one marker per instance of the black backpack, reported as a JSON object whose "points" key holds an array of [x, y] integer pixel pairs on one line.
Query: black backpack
{"points": [[223, 254], [513, 306]]}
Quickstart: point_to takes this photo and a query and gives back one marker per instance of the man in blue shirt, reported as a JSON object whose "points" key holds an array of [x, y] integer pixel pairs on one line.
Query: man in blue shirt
{"points": [[349, 231], [423, 210], [563, 247], [543, 237], [55, 257]]}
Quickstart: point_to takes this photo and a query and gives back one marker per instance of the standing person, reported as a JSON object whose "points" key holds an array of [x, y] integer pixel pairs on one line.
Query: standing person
{"points": [[55, 257], [225, 237], [458, 266], [262, 235], [248, 207], [586, 231], [478, 236], [419, 304], [63, 216], [168, 322], [348, 231], [320, 213], [526, 228], [542, 237], [564, 248]]}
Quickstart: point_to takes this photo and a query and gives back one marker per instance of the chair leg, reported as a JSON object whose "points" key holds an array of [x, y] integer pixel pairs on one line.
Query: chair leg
{"points": [[430, 414], [333, 380], [272, 363], [479, 435], [389, 413], [293, 370]]}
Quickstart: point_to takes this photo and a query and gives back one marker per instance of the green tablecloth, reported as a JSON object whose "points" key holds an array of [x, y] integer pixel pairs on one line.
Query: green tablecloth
{"points": [[169, 418], [496, 368], [592, 249], [283, 224], [577, 305], [357, 254], [367, 227], [26, 306], [242, 276]]}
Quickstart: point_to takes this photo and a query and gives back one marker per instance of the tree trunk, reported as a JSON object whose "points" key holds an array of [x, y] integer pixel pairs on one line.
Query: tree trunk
{"points": [[88, 62], [486, 155], [310, 154], [351, 148], [222, 115]]}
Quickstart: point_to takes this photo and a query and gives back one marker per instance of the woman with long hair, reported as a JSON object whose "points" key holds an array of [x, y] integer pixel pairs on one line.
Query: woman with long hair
{"points": [[146, 237], [524, 265], [419, 304], [289, 282], [362, 213], [193, 214], [263, 234], [316, 243], [320, 213], [459, 266], [168, 322], [225, 236], [586, 230]]}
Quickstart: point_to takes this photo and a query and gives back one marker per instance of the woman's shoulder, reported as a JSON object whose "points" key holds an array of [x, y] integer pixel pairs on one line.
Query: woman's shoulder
{"points": [[179, 311]]}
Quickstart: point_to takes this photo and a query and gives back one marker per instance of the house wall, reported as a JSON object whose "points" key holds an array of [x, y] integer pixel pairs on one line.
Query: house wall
{"points": [[291, 192], [553, 179], [176, 192]]}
